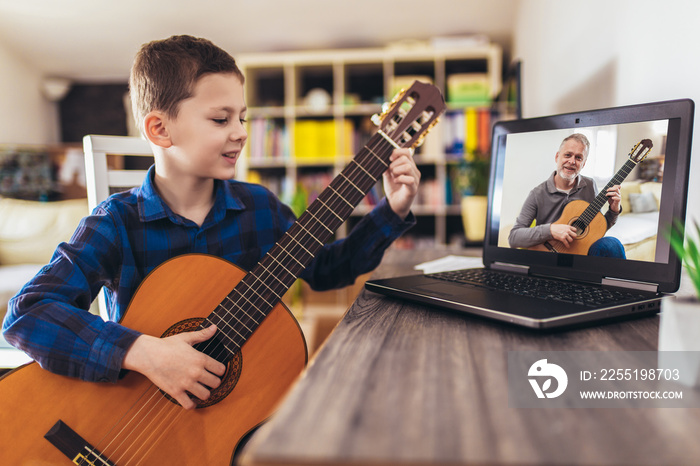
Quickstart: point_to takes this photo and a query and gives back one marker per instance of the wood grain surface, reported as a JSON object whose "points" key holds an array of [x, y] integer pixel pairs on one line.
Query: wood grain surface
{"points": [[400, 383]]}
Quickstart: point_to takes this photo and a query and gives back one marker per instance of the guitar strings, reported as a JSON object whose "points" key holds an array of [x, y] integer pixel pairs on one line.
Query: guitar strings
{"points": [[276, 270], [148, 415], [334, 204], [144, 412], [251, 294], [256, 307], [601, 198], [295, 250], [594, 207], [292, 246], [160, 432]]}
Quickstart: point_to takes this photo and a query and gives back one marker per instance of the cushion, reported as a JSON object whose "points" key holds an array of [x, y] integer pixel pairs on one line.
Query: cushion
{"points": [[31, 230], [627, 188], [643, 202], [654, 188]]}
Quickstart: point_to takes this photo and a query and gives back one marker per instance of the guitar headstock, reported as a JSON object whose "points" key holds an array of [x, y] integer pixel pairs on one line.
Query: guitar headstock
{"points": [[411, 114], [641, 150]]}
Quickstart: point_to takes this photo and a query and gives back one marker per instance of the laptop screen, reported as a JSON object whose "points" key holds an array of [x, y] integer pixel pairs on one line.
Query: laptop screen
{"points": [[555, 170]]}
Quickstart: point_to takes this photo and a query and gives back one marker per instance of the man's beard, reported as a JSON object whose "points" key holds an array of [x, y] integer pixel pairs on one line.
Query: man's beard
{"points": [[568, 177]]}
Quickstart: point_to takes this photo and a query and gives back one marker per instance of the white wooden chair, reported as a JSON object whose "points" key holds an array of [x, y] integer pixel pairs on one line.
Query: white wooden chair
{"points": [[100, 179]]}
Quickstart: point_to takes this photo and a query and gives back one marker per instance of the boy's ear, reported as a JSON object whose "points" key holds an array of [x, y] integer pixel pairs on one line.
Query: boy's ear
{"points": [[154, 125]]}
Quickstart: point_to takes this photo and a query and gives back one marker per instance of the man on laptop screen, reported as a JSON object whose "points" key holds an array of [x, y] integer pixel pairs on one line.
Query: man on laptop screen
{"points": [[547, 201], [642, 190], [586, 159]]}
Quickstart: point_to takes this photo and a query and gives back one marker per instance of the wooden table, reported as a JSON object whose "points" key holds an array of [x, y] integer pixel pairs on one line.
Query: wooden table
{"points": [[400, 383]]}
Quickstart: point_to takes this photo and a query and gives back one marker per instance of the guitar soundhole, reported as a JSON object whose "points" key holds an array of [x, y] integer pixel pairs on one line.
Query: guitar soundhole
{"points": [[580, 232], [234, 364]]}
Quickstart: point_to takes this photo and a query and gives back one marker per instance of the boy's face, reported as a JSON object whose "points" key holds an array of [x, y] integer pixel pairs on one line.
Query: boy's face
{"points": [[209, 133]]}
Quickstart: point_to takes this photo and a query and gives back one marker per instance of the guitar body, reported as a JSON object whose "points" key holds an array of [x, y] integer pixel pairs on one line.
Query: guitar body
{"points": [[184, 289], [584, 238]]}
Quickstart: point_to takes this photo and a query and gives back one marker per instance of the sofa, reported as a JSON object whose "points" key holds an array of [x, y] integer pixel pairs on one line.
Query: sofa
{"points": [[29, 234], [637, 227]]}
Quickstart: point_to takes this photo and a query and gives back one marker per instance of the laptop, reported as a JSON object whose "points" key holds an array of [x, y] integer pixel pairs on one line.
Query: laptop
{"points": [[551, 287]]}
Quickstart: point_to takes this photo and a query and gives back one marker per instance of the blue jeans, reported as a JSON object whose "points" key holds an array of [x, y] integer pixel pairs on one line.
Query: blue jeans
{"points": [[607, 246]]}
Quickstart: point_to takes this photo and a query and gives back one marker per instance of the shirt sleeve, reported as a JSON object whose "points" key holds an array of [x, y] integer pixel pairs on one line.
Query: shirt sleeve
{"points": [[49, 318], [611, 216], [522, 235], [339, 263]]}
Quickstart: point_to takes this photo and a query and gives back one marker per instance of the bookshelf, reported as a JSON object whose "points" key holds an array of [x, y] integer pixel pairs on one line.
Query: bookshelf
{"points": [[309, 112]]}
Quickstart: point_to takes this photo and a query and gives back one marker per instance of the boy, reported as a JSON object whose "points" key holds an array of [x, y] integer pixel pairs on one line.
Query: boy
{"points": [[187, 96]]}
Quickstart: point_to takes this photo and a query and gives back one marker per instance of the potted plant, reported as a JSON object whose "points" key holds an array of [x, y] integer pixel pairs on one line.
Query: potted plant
{"points": [[679, 327], [689, 253], [471, 178]]}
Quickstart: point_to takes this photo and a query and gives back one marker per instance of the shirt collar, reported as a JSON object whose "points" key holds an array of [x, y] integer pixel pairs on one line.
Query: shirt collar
{"points": [[152, 207]]}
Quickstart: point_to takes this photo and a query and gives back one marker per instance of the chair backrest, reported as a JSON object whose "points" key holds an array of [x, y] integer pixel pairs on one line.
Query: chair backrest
{"points": [[100, 179]]}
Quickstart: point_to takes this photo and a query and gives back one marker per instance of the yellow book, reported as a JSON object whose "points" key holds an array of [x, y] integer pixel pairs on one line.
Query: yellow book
{"points": [[347, 133], [254, 177], [327, 146], [319, 139], [471, 138], [306, 138]]}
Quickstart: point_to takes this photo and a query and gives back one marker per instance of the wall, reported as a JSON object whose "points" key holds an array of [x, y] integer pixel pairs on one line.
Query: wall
{"points": [[26, 117], [601, 53]]}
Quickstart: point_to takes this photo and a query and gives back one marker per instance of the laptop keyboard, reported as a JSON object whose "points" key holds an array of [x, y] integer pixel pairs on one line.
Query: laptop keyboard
{"points": [[542, 288]]}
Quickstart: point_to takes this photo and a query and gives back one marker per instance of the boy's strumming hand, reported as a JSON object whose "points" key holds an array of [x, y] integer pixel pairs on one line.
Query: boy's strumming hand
{"points": [[174, 366], [401, 181]]}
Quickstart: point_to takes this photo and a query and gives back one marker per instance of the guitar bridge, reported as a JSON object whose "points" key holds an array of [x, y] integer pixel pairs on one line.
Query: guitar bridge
{"points": [[74, 446], [549, 247]]}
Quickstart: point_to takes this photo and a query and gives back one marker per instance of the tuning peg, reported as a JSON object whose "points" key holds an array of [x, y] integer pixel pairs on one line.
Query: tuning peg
{"points": [[421, 138]]}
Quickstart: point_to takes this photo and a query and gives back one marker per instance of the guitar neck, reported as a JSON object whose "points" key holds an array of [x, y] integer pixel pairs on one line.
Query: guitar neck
{"points": [[289, 257], [264, 286], [404, 124], [600, 200]]}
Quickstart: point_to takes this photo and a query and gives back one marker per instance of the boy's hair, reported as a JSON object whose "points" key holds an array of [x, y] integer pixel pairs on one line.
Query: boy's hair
{"points": [[165, 72]]}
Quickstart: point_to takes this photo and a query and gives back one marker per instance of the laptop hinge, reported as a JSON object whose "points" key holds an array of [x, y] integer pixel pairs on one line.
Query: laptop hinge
{"points": [[506, 267], [630, 284]]}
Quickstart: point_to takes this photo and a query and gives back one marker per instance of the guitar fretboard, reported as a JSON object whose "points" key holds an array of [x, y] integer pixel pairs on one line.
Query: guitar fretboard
{"points": [[600, 200], [258, 292], [248, 304]]}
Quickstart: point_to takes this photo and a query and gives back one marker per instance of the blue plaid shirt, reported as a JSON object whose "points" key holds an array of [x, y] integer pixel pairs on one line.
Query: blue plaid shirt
{"points": [[129, 235]]}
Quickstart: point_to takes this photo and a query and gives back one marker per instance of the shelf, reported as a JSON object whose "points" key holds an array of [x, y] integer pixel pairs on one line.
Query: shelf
{"points": [[266, 112], [340, 90], [268, 163]]}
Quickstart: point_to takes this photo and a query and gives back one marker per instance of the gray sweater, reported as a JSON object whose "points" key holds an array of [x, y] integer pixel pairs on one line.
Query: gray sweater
{"points": [[545, 204]]}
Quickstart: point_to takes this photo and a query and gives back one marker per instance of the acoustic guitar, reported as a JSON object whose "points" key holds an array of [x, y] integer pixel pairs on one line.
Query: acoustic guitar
{"points": [[586, 217], [51, 419]]}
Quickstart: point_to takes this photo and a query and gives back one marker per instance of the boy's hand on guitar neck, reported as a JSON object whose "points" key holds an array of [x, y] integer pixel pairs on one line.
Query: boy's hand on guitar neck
{"points": [[174, 366], [401, 181]]}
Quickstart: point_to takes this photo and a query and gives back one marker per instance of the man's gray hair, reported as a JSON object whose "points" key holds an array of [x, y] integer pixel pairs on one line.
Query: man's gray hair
{"points": [[580, 138]]}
